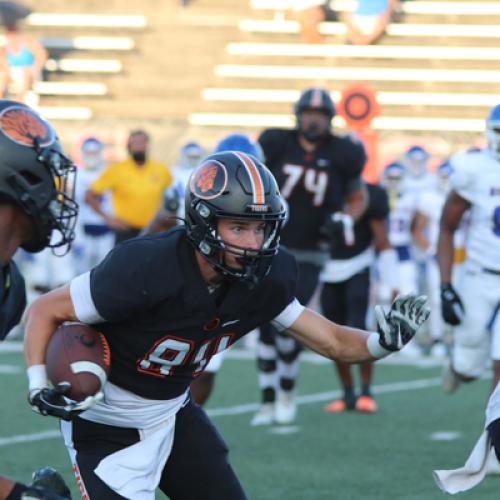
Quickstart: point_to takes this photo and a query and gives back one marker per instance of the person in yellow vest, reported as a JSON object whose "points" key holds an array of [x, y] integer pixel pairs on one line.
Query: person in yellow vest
{"points": [[136, 186]]}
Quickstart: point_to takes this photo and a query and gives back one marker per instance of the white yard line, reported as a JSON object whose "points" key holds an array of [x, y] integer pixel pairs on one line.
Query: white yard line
{"points": [[252, 407]]}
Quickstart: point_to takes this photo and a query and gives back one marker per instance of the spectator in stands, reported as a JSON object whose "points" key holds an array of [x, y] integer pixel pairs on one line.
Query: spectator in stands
{"points": [[368, 21], [136, 186], [309, 13], [23, 61]]}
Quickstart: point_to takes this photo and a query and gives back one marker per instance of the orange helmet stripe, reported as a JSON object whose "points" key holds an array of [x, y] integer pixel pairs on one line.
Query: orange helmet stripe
{"points": [[255, 178]]}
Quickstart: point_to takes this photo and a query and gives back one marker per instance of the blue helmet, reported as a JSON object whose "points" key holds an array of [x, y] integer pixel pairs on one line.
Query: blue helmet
{"points": [[493, 131], [444, 169], [190, 155], [92, 150], [415, 159], [241, 143], [393, 175], [443, 172]]}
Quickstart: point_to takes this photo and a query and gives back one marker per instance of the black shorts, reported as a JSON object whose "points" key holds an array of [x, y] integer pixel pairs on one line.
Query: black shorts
{"points": [[197, 468], [346, 302]]}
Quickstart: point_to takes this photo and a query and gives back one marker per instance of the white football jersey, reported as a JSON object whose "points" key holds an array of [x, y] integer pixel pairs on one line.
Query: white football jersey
{"points": [[430, 203], [177, 189], [86, 214], [400, 218], [418, 185], [476, 178]]}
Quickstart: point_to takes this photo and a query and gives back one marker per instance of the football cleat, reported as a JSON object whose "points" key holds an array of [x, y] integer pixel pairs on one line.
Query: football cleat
{"points": [[366, 404], [286, 408], [265, 415], [337, 406]]}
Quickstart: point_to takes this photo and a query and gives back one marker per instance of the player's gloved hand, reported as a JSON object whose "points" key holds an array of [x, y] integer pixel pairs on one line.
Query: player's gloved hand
{"points": [[452, 308], [339, 225], [52, 402], [397, 327]]}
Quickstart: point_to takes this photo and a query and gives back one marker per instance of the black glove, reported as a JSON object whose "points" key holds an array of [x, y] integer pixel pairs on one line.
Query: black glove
{"points": [[452, 308], [52, 402], [47, 484], [401, 323]]}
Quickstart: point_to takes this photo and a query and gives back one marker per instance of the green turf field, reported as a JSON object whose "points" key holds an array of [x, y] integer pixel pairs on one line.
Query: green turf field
{"points": [[350, 456]]}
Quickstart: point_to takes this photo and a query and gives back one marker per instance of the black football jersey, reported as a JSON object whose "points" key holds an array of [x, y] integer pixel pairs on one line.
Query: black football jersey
{"points": [[12, 297], [378, 208], [314, 184], [162, 323]]}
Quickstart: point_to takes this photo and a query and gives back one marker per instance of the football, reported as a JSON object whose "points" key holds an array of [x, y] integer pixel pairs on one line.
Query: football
{"points": [[80, 355]]}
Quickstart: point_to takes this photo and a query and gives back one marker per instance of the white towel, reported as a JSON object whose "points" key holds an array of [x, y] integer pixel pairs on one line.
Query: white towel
{"points": [[481, 461], [135, 472]]}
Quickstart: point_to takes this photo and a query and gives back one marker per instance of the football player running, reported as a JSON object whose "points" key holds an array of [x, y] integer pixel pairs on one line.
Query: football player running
{"points": [[346, 288], [37, 210], [473, 306], [166, 304], [318, 173]]}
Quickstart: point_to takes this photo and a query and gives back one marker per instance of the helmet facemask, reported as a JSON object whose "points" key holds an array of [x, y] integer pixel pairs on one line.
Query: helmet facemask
{"points": [[54, 222], [255, 263]]}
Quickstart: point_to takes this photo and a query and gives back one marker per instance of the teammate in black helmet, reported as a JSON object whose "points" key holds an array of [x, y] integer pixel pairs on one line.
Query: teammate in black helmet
{"points": [[37, 210], [318, 173], [166, 304]]}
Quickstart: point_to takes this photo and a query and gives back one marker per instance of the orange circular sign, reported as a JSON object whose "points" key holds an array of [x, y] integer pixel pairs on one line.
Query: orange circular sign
{"points": [[358, 105], [23, 126]]}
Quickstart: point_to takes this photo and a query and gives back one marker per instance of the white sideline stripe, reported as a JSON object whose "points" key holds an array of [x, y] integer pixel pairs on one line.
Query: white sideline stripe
{"points": [[87, 43], [84, 65], [388, 98], [70, 88], [11, 346], [251, 407], [379, 123], [87, 20], [26, 438], [65, 112], [357, 74], [366, 51], [393, 29], [415, 7], [10, 369]]}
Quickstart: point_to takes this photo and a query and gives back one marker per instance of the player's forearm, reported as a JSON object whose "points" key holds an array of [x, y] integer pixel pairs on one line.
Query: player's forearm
{"points": [[445, 253], [94, 200], [43, 316], [330, 340]]}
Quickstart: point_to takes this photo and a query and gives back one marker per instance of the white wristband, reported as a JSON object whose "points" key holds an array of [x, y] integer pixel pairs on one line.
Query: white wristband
{"points": [[37, 377], [374, 347]]}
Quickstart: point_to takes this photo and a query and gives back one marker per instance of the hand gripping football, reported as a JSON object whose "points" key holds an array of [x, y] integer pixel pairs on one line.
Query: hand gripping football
{"points": [[80, 355]]}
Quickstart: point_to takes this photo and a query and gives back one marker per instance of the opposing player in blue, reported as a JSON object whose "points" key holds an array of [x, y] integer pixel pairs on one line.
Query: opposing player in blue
{"points": [[166, 304]]}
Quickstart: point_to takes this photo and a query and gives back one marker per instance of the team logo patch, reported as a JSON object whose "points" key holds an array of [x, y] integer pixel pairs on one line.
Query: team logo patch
{"points": [[209, 180], [22, 126]]}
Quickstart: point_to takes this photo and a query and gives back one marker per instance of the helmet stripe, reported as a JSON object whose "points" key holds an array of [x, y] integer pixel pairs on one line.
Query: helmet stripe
{"points": [[254, 176], [316, 98]]}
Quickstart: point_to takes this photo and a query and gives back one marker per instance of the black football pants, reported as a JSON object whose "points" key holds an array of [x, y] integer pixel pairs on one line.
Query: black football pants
{"points": [[277, 353], [197, 469]]}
